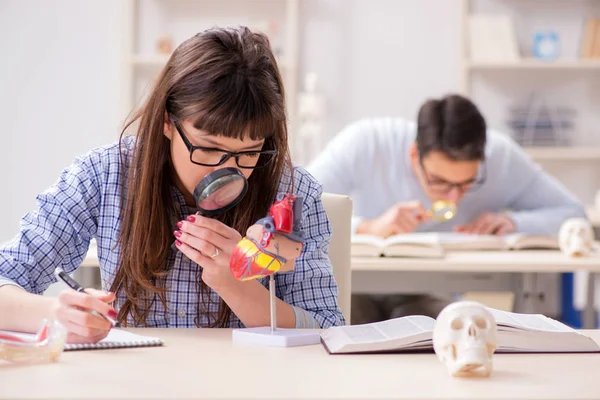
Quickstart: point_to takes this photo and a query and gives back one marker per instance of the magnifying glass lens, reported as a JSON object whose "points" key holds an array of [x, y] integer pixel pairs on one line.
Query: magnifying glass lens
{"points": [[443, 210], [220, 190]]}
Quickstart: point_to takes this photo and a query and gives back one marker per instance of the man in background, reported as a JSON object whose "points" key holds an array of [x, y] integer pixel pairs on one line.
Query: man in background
{"points": [[394, 169]]}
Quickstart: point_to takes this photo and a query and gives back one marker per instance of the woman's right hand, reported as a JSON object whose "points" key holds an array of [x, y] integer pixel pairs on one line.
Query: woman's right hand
{"points": [[74, 311]]}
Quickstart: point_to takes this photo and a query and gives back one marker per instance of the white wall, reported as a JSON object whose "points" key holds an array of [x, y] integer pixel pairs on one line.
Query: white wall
{"points": [[379, 57], [58, 93], [496, 91], [386, 57]]}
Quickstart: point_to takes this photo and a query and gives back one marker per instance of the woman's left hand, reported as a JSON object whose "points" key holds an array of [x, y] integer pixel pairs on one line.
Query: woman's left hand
{"points": [[209, 243]]}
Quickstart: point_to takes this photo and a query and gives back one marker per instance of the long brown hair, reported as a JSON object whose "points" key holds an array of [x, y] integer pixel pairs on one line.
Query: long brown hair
{"points": [[228, 83]]}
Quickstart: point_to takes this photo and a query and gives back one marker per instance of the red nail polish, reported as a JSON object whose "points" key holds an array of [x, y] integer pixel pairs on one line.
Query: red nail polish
{"points": [[191, 218], [178, 243], [112, 314], [179, 224], [177, 233]]}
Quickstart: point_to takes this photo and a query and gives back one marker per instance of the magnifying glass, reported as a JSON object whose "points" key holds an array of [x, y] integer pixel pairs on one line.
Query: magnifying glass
{"points": [[219, 191], [442, 210]]}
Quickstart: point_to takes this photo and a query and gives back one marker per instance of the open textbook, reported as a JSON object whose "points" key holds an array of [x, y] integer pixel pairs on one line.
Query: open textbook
{"points": [[517, 333], [436, 244]]}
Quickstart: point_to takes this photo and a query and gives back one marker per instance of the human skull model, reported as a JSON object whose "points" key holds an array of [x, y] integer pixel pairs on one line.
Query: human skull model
{"points": [[576, 237], [465, 338]]}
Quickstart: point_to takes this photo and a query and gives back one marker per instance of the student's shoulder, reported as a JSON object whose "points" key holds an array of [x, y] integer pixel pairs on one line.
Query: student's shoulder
{"points": [[379, 128], [108, 158], [304, 183], [501, 145]]}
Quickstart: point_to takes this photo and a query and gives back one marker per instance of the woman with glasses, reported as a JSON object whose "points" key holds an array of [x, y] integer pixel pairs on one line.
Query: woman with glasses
{"points": [[219, 102]]}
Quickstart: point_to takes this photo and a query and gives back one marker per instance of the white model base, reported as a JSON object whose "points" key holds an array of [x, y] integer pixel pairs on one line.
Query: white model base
{"points": [[281, 337]]}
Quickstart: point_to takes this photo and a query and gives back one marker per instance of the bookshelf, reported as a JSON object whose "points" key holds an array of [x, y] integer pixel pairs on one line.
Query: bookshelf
{"points": [[144, 21], [531, 64], [558, 153], [565, 67]]}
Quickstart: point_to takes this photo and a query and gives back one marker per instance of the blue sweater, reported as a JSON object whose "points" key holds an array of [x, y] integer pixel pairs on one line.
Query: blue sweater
{"points": [[369, 161]]}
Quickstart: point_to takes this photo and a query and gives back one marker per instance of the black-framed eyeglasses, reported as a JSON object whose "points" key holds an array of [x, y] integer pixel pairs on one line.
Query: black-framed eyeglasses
{"points": [[441, 186], [213, 157]]}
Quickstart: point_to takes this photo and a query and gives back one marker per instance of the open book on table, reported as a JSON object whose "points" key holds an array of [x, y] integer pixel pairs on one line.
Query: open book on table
{"points": [[436, 244], [517, 333]]}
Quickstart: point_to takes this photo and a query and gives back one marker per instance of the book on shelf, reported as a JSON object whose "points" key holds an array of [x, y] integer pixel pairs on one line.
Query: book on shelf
{"points": [[590, 39], [516, 333], [436, 244], [596, 46]]}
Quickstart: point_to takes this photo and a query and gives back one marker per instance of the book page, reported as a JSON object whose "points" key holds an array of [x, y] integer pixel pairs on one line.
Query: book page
{"points": [[367, 239], [517, 241], [363, 245], [466, 241], [424, 238], [390, 329], [535, 322]]}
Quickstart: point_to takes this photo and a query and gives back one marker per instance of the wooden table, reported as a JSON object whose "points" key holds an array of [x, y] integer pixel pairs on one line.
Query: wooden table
{"points": [[461, 271], [203, 363]]}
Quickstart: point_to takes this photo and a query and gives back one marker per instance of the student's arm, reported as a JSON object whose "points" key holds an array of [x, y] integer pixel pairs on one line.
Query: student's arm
{"points": [[311, 288], [56, 234], [307, 296], [341, 166], [540, 204]]}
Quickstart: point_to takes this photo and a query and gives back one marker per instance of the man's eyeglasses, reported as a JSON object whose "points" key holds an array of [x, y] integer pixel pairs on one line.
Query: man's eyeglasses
{"points": [[212, 157], [442, 186]]}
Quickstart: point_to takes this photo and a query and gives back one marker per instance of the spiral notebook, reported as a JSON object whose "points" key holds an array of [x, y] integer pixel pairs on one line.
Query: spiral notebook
{"points": [[117, 339]]}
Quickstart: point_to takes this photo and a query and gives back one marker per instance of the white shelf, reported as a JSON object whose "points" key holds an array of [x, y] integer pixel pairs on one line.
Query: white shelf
{"points": [[565, 64], [564, 153]]}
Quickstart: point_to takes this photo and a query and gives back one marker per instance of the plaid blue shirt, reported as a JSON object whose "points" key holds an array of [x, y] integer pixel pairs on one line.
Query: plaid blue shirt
{"points": [[85, 204]]}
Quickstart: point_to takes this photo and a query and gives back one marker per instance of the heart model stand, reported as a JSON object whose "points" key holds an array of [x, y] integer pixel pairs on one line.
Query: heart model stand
{"points": [[271, 245]]}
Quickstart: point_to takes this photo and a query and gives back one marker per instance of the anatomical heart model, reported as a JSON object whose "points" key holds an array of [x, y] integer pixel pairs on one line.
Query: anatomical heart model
{"points": [[272, 245]]}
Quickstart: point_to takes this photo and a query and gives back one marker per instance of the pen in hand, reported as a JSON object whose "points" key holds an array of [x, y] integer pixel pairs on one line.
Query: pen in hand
{"points": [[73, 284]]}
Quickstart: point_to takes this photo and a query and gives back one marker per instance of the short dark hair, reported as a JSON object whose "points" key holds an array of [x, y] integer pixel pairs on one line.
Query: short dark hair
{"points": [[452, 125]]}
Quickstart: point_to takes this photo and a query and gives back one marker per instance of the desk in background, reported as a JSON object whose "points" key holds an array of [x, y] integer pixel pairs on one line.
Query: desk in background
{"points": [[520, 272], [203, 363], [458, 272]]}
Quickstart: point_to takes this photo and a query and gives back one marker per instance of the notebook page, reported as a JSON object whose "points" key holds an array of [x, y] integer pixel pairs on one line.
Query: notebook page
{"points": [[115, 338], [118, 338]]}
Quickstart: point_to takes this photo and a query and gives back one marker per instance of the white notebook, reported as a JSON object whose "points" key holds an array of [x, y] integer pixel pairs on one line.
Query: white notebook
{"points": [[116, 339]]}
